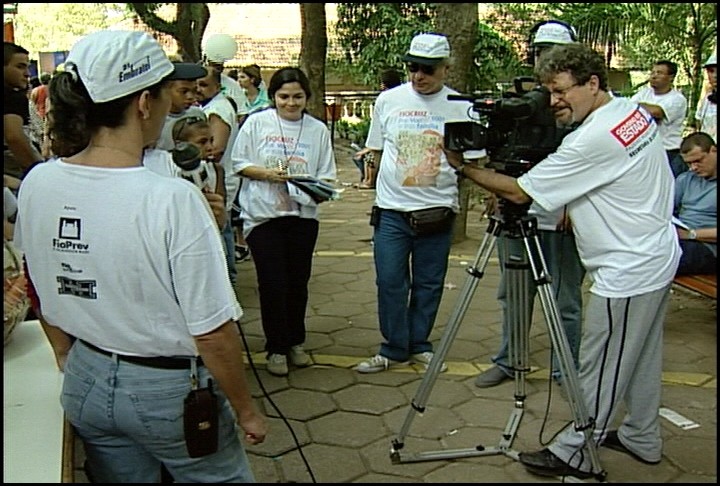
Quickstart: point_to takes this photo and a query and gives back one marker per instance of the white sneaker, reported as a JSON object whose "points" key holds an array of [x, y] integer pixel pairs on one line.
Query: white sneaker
{"points": [[277, 365], [425, 358], [377, 363], [299, 357]]}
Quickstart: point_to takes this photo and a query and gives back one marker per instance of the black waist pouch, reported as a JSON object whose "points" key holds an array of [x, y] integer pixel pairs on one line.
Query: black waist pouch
{"points": [[430, 221]]}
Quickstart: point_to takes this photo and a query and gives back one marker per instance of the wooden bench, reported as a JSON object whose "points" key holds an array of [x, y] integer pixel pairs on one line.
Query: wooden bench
{"points": [[702, 284]]}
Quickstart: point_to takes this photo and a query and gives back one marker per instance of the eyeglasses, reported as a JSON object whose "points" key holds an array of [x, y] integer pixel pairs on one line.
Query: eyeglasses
{"points": [[562, 93], [180, 125], [414, 67]]}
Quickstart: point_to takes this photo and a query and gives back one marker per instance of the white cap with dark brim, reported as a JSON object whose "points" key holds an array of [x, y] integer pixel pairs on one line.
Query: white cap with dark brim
{"points": [[116, 63], [712, 60], [428, 49]]}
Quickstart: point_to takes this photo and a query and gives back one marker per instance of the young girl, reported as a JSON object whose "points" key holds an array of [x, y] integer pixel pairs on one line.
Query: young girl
{"points": [[193, 146]]}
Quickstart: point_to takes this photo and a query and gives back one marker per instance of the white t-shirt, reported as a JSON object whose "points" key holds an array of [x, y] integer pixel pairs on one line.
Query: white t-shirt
{"points": [[232, 89], [9, 202], [674, 104], [707, 115], [266, 140], [613, 175], [220, 106], [410, 128], [127, 259]]}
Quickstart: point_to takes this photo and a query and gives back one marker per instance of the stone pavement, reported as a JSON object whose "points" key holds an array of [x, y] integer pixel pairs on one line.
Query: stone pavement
{"points": [[332, 424]]}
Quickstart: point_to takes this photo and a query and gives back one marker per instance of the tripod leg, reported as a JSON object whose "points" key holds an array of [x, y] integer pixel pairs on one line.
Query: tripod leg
{"points": [[518, 312], [560, 344], [475, 273]]}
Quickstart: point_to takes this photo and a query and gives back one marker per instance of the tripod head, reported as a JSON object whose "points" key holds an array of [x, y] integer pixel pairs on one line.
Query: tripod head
{"points": [[512, 218]]}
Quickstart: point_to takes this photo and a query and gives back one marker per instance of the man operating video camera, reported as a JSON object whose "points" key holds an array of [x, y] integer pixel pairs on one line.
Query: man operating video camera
{"points": [[611, 173]]}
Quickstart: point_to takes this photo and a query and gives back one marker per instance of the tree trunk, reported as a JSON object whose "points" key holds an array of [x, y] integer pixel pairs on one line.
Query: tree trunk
{"points": [[192, 19], [312, 54], [187, 29], [459, 21]]}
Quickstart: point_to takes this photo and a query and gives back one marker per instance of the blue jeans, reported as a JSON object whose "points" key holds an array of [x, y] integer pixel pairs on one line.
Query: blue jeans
{"points": [[567, 273], [130, 419], [410, 275], [229, 240]]}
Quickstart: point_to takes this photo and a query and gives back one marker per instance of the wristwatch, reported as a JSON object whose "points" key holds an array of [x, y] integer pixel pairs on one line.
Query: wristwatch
{"points": [[692, 234]]}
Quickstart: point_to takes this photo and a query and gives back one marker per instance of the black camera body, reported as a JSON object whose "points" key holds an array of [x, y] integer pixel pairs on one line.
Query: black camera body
{"points": [[517, 130]]}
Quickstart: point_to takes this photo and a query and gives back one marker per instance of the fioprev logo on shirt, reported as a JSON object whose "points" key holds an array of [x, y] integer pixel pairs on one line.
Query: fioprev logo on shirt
{"points": [[631, 128]]}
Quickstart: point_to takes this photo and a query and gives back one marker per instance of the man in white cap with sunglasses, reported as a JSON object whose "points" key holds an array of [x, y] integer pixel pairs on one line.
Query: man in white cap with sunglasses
{"points": [[407, 135]]}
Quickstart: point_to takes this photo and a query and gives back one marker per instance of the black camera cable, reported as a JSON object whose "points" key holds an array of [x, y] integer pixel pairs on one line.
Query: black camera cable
{"points": [[274, 406]]}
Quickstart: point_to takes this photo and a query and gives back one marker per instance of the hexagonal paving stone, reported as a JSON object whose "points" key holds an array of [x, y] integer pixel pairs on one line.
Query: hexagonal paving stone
{"points": [[346, 429], [322, 378], [373, 399], [328, 464], [280, 439], [299, 404]]}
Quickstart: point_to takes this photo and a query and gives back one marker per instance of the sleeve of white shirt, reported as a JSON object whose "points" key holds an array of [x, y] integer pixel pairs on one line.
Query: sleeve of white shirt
{"points": [[375, 134]]}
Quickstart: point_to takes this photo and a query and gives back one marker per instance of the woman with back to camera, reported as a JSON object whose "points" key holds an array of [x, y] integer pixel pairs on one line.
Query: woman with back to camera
{"points": [[280, 223], [118, 267]]}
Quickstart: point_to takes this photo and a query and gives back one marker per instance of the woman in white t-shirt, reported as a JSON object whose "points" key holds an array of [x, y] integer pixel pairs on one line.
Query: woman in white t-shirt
{"points": [[280, 223], [116, 254]]}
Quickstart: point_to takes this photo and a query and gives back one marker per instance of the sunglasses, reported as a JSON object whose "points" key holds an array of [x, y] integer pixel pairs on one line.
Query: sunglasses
{"points": [[414, 67], [183, 123]]}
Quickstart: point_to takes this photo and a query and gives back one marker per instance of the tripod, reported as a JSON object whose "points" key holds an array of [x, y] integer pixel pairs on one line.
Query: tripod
{"points": [[515, 224]]}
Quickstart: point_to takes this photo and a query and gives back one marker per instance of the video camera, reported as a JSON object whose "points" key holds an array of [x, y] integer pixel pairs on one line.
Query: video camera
{"points": [[517, 131]]}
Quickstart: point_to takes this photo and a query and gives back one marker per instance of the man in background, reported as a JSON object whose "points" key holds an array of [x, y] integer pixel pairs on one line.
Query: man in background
{"points": [[19, 154], [706, 114], [183, 95], [696, 205], [668, 107], [558, 247]]}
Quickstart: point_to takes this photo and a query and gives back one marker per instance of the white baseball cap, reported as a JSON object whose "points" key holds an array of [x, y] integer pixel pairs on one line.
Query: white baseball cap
{"points": [[428, 49], [712, 60], [553, 32], [117, 63]]}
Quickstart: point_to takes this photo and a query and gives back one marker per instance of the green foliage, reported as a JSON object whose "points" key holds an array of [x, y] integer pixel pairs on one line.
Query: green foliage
{"points": [[374, 36], [495, 60], [359, 131], [355, 131]]}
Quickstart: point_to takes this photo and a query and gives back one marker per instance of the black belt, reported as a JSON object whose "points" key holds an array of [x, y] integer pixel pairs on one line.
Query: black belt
{"points": [[162, 362]]}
